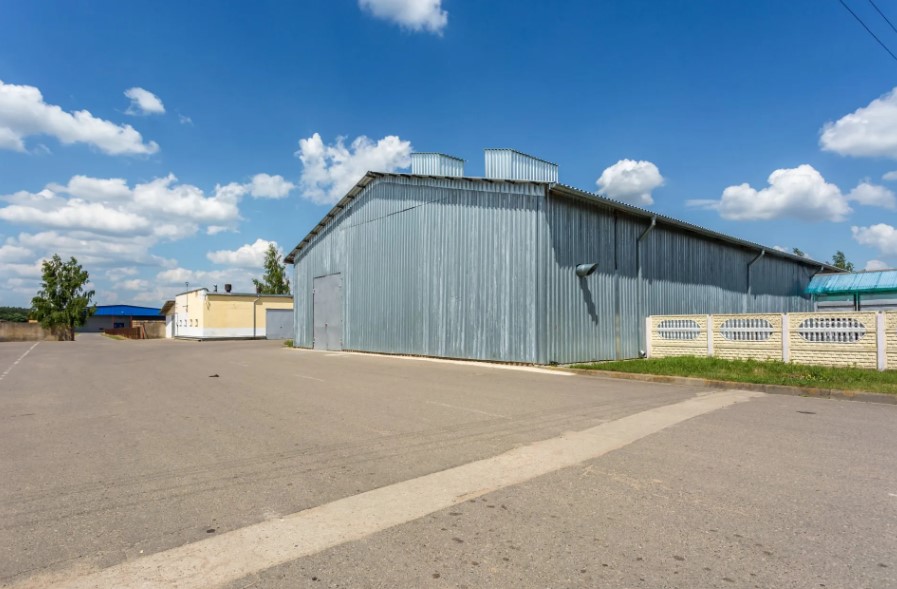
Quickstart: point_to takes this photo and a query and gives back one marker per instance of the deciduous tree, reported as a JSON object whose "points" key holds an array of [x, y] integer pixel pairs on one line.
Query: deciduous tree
{"points": [[62, 303], [839, 260], [275, 280]]}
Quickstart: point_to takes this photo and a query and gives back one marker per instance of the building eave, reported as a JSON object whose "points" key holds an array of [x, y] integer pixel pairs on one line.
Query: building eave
{"points": [[562, 191], [366, 180], [565, 191]]}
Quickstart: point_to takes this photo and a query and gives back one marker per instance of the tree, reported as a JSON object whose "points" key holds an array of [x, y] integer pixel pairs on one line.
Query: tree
{"points": [[62, 303], [839, 260], [798, 252], [275, 280], [14, 314]]}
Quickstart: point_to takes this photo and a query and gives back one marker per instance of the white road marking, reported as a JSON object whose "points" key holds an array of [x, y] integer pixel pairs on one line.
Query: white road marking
{"points": [[234, 555], [472, 363], [466, 409], [310, 377], [11, 366]]}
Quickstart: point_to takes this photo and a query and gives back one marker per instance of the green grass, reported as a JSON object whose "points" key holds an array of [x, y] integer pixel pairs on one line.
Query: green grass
{"points": [[754, 371], [288, 343]]}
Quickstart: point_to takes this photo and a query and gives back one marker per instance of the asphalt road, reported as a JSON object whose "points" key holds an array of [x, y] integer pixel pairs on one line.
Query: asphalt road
{"points": [[117, 451]]}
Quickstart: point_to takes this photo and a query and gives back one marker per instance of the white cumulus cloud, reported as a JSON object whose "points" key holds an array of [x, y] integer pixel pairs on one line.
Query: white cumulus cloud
{"points": [[329, 171], [10, 252], [144, 102], [415, 15], [23, 113], [869, 131], [112, 228], [77, 214], [630, 181], [250, 255], [883, 237], [121, 272], [267, 186], [95, 189], [873, 195], [799, 193], [184, 202], [873, 265], [174, 279], [134, 284]]}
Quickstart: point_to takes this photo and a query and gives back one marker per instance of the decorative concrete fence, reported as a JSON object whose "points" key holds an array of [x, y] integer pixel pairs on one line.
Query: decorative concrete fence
{"points": [[861, 339]]}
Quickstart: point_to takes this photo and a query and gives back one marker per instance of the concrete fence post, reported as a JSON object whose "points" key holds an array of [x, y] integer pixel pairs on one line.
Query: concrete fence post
{"points": [[880, 340], [648, 336], [710, 336], [786, 339]]}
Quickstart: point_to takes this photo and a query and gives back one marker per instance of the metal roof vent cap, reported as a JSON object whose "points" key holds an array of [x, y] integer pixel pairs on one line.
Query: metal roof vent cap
{"points": [[436, 164], [510, 164]]}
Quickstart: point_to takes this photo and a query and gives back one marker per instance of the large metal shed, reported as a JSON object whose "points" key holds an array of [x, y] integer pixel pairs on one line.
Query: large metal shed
{"points": [[516, 267]]}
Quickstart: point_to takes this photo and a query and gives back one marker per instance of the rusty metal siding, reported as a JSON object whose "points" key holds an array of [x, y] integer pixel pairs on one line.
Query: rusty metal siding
{"points": [[436, 267]]}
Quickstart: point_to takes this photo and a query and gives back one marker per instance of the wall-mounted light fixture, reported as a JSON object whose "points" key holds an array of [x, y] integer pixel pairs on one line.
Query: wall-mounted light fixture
{"points": [[583, 270]]}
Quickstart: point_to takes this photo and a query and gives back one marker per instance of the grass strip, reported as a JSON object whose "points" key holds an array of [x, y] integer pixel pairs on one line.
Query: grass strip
{"points": [[758, 371]]}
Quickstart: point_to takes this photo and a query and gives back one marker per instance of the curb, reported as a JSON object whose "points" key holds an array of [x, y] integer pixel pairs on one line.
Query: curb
{"points": [[773, 389]]}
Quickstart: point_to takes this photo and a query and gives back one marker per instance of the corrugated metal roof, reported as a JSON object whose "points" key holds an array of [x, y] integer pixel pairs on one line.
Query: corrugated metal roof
{"points": [[126, 311], [562, 191], [880, 281]]}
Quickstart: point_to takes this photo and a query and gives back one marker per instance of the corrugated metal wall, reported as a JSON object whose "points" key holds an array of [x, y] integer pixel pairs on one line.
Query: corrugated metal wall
{"points": [[441, 269], [469, 269], [580, 312], [601, 317]]}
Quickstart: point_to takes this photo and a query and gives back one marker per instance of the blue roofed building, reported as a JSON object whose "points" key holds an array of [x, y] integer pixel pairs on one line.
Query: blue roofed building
{"points": [[118, 316], [859, 291]]}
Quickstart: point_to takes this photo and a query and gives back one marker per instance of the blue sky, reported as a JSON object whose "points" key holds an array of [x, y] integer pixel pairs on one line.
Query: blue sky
{"points": [[771, 121]]}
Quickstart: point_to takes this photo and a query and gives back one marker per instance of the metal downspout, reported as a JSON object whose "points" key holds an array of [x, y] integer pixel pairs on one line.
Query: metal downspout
{"points": [[815, 301], [642, 303], [542, 346], [749, 285]]}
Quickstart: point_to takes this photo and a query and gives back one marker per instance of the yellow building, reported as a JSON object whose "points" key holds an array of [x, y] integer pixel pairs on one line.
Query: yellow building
{"points": [[200, 314]]}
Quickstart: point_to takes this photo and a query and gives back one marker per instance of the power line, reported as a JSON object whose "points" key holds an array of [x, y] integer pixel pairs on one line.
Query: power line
{"points": [[868, 30], [887, 20]]}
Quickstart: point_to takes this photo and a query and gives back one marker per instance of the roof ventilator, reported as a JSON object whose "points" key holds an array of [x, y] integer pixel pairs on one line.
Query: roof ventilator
{"points": [[436, 164], [509, 164]]}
